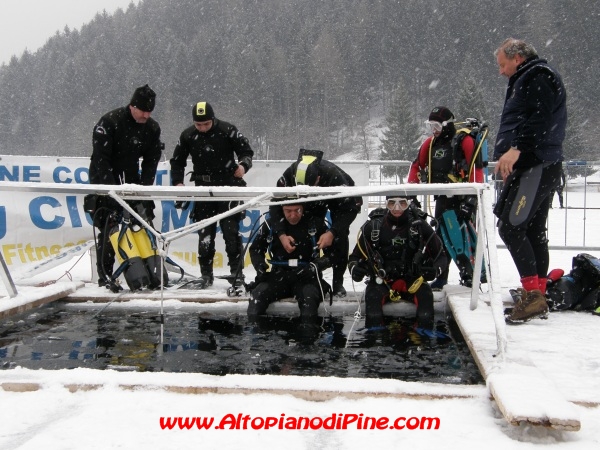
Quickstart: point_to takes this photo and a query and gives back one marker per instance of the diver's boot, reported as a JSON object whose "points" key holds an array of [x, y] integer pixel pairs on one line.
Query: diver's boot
{"points": [[207, 278]]}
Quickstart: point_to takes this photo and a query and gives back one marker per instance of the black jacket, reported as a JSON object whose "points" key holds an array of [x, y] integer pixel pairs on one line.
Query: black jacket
{"points": [[343, 210], [534, 117], [394, 245], [215, 155], [119, 142], [305, 234]]}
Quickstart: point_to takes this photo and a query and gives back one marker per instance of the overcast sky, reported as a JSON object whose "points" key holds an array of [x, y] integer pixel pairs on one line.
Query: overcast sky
{"points": [[27, 24]]}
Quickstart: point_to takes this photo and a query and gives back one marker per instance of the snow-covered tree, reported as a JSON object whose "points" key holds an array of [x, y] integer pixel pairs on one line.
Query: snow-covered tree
{"points": [[401, 139]]}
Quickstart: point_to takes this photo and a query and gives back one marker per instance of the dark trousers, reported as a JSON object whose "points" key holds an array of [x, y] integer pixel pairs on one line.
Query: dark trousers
{"points": [[339, 250], [286, 284], [523, 214], [376, 295], [231, 232], [338, 256]]}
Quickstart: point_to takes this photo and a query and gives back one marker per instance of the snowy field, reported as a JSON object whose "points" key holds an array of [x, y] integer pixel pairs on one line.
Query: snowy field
{"points": [[111, 416]]}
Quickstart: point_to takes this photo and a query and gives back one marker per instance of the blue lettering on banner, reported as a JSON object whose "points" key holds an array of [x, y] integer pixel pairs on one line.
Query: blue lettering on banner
{"points": [[170, 214], [62, 174], [73, 212], [159, 177], [56, 175], [79, 178], [31, 173], [2, 222], [35, 212], [7, 175], [173, 219]]}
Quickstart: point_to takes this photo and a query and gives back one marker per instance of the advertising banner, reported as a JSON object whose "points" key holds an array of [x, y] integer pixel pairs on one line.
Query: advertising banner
{"points": [[36, 226]]}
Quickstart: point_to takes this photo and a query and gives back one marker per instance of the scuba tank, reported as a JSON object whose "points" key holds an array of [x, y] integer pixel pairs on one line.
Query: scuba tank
{"points": [[147, 251], [128, 255]]}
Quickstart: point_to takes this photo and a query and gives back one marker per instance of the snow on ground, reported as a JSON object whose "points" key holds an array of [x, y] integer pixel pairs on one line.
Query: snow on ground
{"points": [[113, 416]]}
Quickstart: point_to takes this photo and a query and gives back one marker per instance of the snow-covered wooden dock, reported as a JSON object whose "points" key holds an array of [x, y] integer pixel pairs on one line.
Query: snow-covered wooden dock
{"points": [[549, 366]]}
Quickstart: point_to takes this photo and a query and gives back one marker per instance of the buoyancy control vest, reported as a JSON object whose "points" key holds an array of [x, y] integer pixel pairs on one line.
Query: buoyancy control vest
{"points": [[441, 161]]}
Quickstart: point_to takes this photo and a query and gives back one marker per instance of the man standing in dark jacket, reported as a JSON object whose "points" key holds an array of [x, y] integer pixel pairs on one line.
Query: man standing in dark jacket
{"points": [[122, 138], [221, 156], [529, 158], [312, 170]]}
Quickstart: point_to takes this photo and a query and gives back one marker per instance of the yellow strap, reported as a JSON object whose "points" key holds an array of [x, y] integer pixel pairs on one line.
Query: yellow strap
{"points": [[416, 285], [429, 165], [358, 245], [475, 153], [303, 164], [395, 296]]}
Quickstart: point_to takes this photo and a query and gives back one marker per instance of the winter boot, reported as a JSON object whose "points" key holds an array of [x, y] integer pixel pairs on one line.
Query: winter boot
{"points": [[517, 295], [531, 306]]}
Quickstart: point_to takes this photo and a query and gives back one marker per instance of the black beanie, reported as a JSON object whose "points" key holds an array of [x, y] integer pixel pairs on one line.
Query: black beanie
{"points": [[202, 111], [440, 114], [143, 98]]}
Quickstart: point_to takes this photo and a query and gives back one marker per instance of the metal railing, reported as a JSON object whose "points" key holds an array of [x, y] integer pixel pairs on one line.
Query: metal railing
{"points": [[582, 186]]}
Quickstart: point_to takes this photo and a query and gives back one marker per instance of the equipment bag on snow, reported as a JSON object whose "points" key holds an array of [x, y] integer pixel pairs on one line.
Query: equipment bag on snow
{"points": [[580, 289]]}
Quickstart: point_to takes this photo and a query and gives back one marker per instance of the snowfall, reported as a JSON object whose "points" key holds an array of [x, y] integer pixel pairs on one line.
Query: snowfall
{"points": [[124, 409]]}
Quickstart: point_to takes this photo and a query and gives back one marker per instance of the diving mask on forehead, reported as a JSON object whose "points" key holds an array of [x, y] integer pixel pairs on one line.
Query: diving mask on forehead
{"points": [[437, 126]]}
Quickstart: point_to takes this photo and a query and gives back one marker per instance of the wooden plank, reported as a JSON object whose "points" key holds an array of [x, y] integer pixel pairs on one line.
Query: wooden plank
{"points": [[41, 297], [523, 393]]}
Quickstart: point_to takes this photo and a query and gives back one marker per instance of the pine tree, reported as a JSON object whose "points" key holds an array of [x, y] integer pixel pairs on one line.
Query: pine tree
{"points": [[400, 141]]}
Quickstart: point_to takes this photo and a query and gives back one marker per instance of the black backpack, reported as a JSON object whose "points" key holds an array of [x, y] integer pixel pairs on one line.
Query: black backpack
{"points": [[580, 289], [479, 132]]}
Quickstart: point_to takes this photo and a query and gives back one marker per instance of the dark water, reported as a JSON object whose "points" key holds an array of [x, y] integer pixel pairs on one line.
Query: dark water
{"points": [[219, 343]]}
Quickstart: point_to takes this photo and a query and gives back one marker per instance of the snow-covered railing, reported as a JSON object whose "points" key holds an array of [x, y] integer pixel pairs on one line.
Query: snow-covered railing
{"points": [[263, 196]]}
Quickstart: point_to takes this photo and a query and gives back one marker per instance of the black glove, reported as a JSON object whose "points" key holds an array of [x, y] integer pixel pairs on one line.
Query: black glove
{"points": [[358, 270], [322, 263], [430, 273]]}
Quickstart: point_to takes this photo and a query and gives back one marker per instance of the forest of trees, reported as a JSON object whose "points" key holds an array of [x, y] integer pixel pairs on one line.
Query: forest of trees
{"points": [[302, 73]]}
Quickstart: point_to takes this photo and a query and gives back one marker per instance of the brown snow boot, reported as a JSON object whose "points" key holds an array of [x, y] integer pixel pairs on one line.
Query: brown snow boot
{"points": [[532, 305]]}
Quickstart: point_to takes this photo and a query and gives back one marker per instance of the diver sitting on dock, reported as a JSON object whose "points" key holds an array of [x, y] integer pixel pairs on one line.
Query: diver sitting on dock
{"points": [[295, 274], [398, 250]]}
